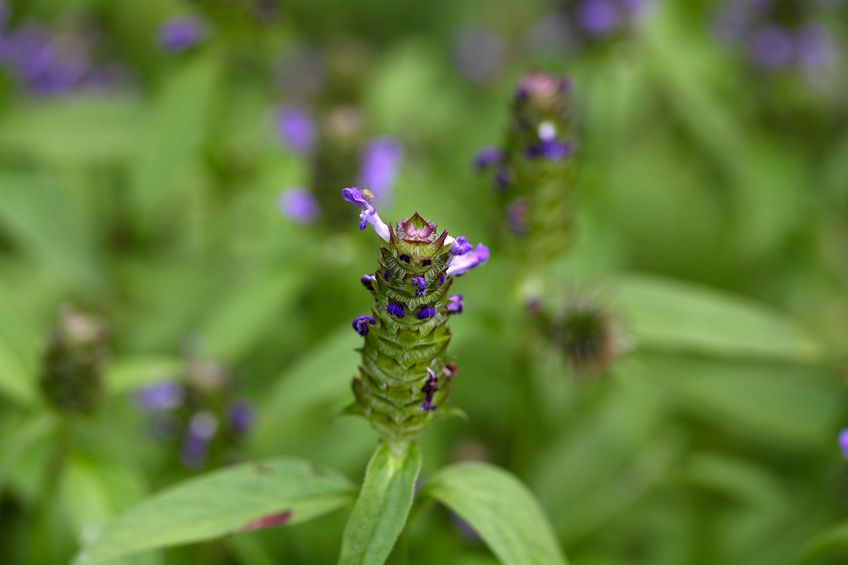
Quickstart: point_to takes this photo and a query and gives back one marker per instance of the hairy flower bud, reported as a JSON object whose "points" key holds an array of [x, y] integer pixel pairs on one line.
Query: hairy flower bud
{"points": [[71, 378], [533, 173], [404, 376]]}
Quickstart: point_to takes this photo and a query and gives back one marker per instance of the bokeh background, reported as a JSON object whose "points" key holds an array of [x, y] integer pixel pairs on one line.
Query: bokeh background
{"points": [[172, 168]]}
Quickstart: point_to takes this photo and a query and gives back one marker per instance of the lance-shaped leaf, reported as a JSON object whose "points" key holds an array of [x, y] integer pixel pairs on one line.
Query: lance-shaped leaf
{"points": [[240, 498], [383, 505], [501, 510]]}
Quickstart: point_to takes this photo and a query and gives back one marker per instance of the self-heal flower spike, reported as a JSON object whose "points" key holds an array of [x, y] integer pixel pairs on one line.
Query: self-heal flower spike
{"points": [[404, 374], [534, 173]]}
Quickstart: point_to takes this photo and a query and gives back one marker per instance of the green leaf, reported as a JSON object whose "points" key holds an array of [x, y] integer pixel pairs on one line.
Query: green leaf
{"points": [[501, 510], [671, 315], [779, 404], [826, 543], [282, 490], [380, 513], [125, 375], [248, 312]]}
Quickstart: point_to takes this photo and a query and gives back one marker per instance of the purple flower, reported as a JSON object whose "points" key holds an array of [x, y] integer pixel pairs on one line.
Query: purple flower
{"points": [[181, 34], [360, 324], [771, 46], [843, 443], [201, 430], [487, 157], [369, 214], [429, 389], [396, 310], [44, 62], [420, 284], [598, 17], [160, 396], [815, 47], [295, 128], [461, 264], [241, 416], [368, 281], [379, 166], [479, 55], [454, 304], [441, 279], [460, 246], [299, 205], [426, 312]]}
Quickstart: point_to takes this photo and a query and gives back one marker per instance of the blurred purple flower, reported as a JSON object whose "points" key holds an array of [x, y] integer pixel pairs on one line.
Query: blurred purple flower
{"points": [[241, 416], [815, 48], [771, 46], [487, 157], [299, 205], [598, 17], [296, 129], [454, 304], [44, 62], [201, 430], [479, 55], [181, 34], [843, 443], [381, 160], [160, 396]]}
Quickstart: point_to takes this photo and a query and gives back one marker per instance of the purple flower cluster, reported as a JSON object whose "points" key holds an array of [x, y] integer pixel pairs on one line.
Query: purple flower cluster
{"points": [[181, 412], [181, 34], [772, 42]]}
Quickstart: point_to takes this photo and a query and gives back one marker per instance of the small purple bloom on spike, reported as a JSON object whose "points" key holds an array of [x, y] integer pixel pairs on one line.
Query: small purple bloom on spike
{"points": [[420, 284], [181, 34], [454, 304], [368, 281], [368, 215], [396, 310], [460, 246], [487, 157], [426, 312], [360, 324], [815, 47], [843, 442], [160, 396], [429, 389], [299, 205], [386, 275], [380, 163], [441, 279], [426, 262], [461, 264], [405, 259], [295, 128], [241, 416]]}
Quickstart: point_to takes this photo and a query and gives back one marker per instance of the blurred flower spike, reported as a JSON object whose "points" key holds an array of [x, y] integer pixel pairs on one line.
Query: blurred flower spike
{"points": [[404, 376]]}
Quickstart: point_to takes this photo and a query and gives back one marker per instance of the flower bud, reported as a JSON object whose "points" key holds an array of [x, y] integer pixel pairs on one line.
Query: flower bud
{"points": [[71, 378]]}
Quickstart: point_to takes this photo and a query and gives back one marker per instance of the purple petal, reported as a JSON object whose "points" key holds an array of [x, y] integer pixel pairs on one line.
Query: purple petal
{"points": [[460, 246], [160, 396], [299, 205], [771, 47], [598, 17], [487, 157], [843, 443], [296, 129], [361, 323], [454, 304], [461, 264], [369, 214], [241, 416], [180, 34]]}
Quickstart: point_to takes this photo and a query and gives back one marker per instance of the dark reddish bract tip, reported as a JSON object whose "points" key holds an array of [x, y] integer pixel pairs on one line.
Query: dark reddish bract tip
{"points": [[269, 521]]}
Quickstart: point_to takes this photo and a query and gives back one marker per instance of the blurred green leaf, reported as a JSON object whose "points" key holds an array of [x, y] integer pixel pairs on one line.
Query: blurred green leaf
{"points": [[73, 129], [172, 143], [16, 382], [381, 510], [243, 497], [671, 315], [826, 544], [777, 404], [500, 509], [247, 312], [126, 375], [19, 436]]}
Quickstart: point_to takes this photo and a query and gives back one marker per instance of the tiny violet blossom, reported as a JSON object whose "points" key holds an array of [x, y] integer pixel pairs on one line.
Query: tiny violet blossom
{"points": [[181, 34], [460, 246], [461, 264], [396, 310], [361, 323], [454, 304], [426, 312], [362, 200], [201, 430], [598, 17], [381, 160], [296, 129], [486, 157], [843, 442], [241, 416], [299, 205], [160, 396], [368, 281], [420, 285]]}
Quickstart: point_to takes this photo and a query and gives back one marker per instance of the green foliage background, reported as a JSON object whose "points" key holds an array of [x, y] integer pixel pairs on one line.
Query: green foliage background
{"points": [[713, 213]]}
